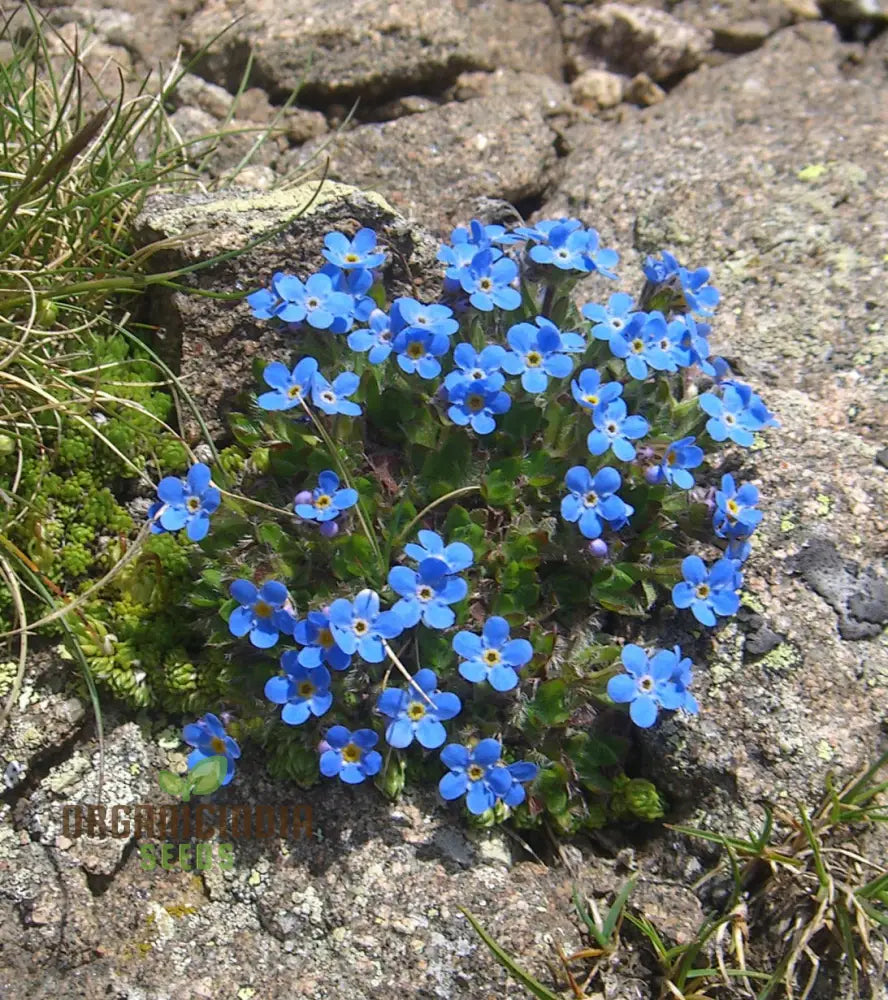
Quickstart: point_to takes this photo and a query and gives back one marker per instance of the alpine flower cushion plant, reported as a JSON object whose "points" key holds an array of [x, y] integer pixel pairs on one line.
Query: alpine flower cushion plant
{"points": [[186, 503], [209, 739], [496, 478]]}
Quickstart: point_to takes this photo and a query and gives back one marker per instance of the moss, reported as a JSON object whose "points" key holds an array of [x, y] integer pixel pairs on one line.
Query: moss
{"points": [[781, 659]]}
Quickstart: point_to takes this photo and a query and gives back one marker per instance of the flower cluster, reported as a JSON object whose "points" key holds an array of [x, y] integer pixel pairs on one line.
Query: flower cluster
{"points": [[466, 414]]}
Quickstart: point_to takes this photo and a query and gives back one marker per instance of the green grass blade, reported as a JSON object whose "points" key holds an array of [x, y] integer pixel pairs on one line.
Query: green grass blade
{"points": [[533, 987]]}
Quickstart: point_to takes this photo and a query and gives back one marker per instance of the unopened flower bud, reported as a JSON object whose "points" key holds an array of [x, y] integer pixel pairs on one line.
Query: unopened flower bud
{"points": [[329, 529], [304, 496], [598, 548], [653, 474]]}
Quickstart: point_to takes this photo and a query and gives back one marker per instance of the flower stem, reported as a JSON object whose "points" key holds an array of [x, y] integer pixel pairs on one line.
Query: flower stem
{"points": [[359, 509], [435, 503], [405, 672]]}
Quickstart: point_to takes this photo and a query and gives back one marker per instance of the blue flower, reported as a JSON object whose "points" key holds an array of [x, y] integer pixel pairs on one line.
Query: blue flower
{"points": [[736, 415], [589, 392], [331, 398], [316, 635], [328, 501], [209, 739], [304, 692], [492, 656], [476, 367], [476, 404], [355, 284], [418, 351], [757, 413], [735, 514], [426, 598], [708, 592], [416, 717], [678, 458], [682, 679], [290, 388], [359, 627], [437, 319], [520, 772], [377, 340], [358, 252], [700, 297], [315, 301], [537, 353], [186, 503], [613, 429], [479, 236], [487, 281], [261, 612], [647, 685], [350, 755], [610, 319], [476, 774], [572, 249], [738, 551], [542, 231], [648, 341], [592, 501], [437, 559]]}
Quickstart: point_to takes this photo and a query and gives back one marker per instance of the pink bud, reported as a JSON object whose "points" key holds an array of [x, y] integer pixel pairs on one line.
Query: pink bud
{"points": [[329, 529], [303, 497], [598, 548]]}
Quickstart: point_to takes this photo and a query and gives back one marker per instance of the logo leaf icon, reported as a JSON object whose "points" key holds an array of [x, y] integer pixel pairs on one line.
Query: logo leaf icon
{"points": [[171, 783], [206, 776]]}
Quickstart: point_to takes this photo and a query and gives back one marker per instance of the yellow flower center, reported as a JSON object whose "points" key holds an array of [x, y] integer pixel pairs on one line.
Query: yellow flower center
{"points": [[323, 501], [424, 593], [360, 626], [294, 391], [592, 400], [646, 683], [352, 258], [733, 508], [415, 711], [193, 503], [306, 689], [485, 284], [533, 359], [491, 657], [475, 772], [637, 346], [475, 402], [262, 609], [325, 638], [218, 746], [415, 350], [351, 753], [591, 498], [702, 591], [670, 458]]}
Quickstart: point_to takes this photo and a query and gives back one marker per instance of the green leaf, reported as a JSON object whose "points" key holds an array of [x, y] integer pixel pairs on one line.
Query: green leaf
{"points": [[246, 432], [207, 775], [272, 535], [549, 706], [171, 783]]}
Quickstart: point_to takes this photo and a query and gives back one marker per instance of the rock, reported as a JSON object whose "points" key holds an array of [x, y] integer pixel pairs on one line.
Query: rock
{"points": [[430, 165], [741, 36], [596, 89], [213, 343], [369, 49], [642, 90], [197, 130], [632, 40], [302, 124], [861, 13], [195, 92]]}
